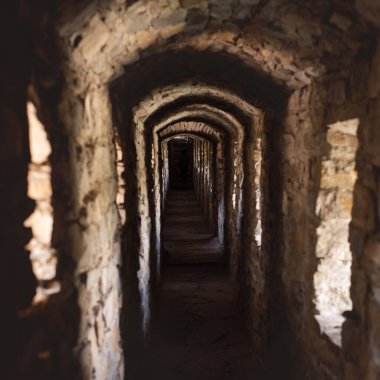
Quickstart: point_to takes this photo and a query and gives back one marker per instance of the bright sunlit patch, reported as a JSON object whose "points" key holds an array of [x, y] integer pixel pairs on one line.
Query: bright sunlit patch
{"points": [[42, 255], [120, 197], [333, 277], [258, 192]]}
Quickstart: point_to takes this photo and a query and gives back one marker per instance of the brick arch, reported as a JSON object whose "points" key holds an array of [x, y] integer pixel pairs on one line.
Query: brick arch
{"points": [[194, 128]]}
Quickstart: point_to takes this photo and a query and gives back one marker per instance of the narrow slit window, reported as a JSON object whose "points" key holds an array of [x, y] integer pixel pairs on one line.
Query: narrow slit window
{"points": [[42, 255], [334, 205]]}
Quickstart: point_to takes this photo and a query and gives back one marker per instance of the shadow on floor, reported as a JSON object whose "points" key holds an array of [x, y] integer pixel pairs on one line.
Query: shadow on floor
{"points": [[197, 332]]}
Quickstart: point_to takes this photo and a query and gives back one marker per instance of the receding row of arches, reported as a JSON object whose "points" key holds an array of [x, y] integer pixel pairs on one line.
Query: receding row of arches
{"points": [[247, 139], [237, 147]]}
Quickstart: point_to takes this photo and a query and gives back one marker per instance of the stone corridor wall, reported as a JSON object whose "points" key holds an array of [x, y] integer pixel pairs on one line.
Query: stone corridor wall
{"points": [[204, 178], [360, 334], [293, 271], [93, 234], [254, 256]]}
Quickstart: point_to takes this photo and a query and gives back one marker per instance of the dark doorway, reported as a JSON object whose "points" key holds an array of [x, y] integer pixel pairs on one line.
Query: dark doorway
{"points": [[181, 163]]}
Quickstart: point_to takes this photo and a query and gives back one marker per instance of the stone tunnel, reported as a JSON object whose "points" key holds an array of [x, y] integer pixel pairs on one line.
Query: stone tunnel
{"points": [[190, 189]]}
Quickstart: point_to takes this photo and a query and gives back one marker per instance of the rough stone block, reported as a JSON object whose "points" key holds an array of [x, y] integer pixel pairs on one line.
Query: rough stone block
{"points": [[342, 139], [173, 19], [39, 184], [96, 38], [221, 11], [340, 21]]}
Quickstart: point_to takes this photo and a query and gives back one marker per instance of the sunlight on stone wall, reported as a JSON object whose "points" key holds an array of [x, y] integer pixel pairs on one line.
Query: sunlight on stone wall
{"points": [[42, 255], [333, 277], [258, 191], [120, 197]]}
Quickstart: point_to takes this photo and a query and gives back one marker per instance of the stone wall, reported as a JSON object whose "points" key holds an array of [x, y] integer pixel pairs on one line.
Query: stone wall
{"points": [[204, 179], [93, 235], [254, 261], [360, 339]]}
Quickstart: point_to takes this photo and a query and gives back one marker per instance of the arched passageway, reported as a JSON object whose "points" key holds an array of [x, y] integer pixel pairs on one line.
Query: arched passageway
{"points": [[196, 328], [197, 185]]}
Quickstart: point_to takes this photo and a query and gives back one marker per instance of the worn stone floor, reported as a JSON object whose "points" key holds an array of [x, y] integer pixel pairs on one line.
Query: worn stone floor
{"points": [[197, 332], [188, 237]]}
